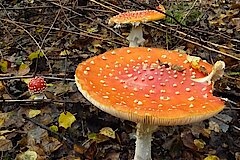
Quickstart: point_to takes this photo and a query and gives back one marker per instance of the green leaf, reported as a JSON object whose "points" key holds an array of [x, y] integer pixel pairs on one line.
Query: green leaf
{"points": [[66, 120], [4, 65], [35, 55]]}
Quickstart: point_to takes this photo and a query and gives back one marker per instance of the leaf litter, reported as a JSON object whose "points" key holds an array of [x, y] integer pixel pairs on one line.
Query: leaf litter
{"points": [[67, 126]]}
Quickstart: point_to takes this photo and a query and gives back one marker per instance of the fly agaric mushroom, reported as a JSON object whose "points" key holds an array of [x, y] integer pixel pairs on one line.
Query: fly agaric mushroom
{"points": [[148, 86], [135, 37], [36, 86]]}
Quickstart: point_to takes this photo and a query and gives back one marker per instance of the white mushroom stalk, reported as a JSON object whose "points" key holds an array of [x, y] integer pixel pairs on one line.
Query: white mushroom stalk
{"points": [[143, 141], [136, 18], [135, 37]]}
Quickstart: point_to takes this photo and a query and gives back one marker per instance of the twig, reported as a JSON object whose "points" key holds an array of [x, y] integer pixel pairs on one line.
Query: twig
{"points": [[185, 16], [93, 20], [69, 142], [104, 6], [35, 101], [67, 31], [196, 43], [13, 22], [30, 76]]}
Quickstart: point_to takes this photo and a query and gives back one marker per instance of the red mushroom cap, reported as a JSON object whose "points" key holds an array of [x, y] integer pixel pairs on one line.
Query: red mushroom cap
{"points": [[37, 85], [138, 16], [147, 85]]}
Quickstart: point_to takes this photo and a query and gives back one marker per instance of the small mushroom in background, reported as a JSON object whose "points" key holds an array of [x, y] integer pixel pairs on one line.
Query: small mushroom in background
{"points": [[135, 37], [148, 86], [36, 87]]}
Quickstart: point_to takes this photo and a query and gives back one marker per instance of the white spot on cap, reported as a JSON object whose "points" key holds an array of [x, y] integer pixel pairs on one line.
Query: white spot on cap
{"points": [[139, 103], [150, 77], [164, 56], [92, 62], [106, 97], [130, 75], [188, 89], [191, 106], [177, 93], [104, 58], [147, 95], [191, 98], [85, 72], [205, 95], [163, 91], [149, 49], [114, 89]]}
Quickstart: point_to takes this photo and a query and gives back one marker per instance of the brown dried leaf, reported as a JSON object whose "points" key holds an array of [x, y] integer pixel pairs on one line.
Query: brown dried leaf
{"points": [[5, 144]]}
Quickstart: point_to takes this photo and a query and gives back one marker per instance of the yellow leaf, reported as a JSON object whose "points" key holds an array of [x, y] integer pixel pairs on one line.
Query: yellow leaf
{"points": [[92, 30], [35, 55], [33, 113], [99, 138], [64, 53], [199, 143], [39, 29], [26, 80], [4, 66], [107, 131], [66, 120], [54, 128], [2, 87], [28, 155], [3, 117], [23, 69], [211, 157]]}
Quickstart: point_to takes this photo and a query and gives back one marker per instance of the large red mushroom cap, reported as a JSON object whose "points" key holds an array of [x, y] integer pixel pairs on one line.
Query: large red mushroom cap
{"points": [[138, 16], [148, 85], [37, 85]]}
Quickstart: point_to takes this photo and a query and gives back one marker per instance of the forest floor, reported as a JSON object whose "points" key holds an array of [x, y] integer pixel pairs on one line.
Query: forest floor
{"points": [[50, 38]]}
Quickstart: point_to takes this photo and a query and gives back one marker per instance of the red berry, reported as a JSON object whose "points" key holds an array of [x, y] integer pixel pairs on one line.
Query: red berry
{"points": [[37, 85]]}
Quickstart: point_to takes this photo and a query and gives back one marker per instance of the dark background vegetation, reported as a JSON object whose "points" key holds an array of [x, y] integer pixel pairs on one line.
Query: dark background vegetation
{"points": [[49, 38]]}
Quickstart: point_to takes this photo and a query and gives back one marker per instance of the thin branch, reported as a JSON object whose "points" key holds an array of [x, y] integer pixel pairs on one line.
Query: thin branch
{"points": [[39, 47], [93, 20], [193, 42], [24, 101]]}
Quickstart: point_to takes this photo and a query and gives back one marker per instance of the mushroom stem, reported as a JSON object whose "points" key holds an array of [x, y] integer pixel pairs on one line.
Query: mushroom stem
{"points": [[39, 96], [135, 37], [143, 142]]}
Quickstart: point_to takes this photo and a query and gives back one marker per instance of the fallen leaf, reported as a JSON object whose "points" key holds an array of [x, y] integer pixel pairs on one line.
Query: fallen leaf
{"points": [[33, 113], [3, 117], [28, 155], [213, 126], [107, 131], [97, 137], [5, 144], [79, 149], [54, 128], [66, 120], [35, 55], [64, 53], [211, 157], [23, 69], [4, 65], [199, 143]]}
